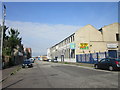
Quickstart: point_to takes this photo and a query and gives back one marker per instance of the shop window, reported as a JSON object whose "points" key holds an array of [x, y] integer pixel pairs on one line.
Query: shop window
{"points": [[72, 53]]}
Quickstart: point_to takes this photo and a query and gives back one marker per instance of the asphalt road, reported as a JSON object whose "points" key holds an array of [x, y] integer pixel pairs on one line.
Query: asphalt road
{"points": [[56, 75]]}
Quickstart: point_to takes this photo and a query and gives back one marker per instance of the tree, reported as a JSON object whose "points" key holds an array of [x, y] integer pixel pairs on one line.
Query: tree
{"points": [[11, 41]]}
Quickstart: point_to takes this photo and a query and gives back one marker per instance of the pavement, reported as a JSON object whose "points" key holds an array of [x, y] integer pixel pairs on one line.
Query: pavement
{"points": [[9, 71], [78, 64], [57, 75]]}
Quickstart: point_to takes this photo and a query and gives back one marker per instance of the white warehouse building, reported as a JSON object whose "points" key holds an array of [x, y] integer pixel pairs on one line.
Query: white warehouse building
{"points": [[88, 45]]}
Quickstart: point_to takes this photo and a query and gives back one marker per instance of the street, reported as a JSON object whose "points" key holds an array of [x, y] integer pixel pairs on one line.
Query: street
{"points": [[56, 75]]}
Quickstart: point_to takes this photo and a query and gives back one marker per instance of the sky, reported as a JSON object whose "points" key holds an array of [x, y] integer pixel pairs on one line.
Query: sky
{"points": [[43, 24]]}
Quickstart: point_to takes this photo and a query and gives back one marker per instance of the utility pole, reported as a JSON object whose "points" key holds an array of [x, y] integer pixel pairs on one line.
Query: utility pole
{"points": [[2, 30]]}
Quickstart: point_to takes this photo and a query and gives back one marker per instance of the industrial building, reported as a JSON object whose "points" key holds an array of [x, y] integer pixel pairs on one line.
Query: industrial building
{"points": [[88, 45]]}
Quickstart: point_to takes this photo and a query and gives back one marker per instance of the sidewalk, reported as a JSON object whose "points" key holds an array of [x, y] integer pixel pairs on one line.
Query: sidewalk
{"points": [[9, 71], [79, 64]]}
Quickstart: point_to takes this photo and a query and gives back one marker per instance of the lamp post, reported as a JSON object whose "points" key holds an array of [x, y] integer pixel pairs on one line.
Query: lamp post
{"points": [[2, 30]]}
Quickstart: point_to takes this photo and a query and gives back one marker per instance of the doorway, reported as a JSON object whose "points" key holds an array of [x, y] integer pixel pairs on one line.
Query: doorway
{"points": [[62, 58], [112, 53]]}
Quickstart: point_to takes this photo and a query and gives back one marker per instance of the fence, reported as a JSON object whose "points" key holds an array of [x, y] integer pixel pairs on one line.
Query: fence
{"points": [[91, 58]]}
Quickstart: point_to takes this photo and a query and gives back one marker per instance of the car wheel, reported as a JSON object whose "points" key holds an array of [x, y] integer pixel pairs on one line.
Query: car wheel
{"points": [[23, 66], [96, 66], [111, 68], [29, 66]]}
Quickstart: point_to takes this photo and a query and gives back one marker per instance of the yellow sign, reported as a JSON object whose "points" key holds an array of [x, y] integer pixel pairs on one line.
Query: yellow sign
{"points": [[84, 46]]}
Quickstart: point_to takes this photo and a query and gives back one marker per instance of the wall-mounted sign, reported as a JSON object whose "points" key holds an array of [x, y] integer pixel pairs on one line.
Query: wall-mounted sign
{"points": [[112, 45], [84, 46], [72, 45]]}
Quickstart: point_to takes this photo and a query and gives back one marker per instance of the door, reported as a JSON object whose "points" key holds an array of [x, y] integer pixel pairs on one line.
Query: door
{"points": [[62, 58], [102, 64], [112, 53]]}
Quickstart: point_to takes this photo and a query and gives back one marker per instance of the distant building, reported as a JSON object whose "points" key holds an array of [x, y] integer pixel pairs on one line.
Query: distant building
{"points": [[18, 54], [48, 53], [28, 53], [88, 44]]}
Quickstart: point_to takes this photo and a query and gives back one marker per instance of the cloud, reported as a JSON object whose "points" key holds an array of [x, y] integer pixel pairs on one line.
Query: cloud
{"points": [[40, 36]]}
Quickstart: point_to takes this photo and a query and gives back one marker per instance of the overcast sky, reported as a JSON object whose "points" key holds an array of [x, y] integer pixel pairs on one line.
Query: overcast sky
{"points": [[43, 24]]}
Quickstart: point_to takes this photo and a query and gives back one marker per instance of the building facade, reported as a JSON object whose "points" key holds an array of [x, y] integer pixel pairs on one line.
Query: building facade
{"points": [[88, 44], [27, 53], [64, 50]]}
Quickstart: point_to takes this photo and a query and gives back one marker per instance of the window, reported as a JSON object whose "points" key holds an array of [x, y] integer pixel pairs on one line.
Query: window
{"points": [[103, 60], [69, 40], [72, 53], [73, 38], [117, 37], [65, 41]]}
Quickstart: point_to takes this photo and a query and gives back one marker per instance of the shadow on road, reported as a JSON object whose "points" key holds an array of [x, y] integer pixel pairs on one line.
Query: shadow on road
{"points": [[12, 84]]}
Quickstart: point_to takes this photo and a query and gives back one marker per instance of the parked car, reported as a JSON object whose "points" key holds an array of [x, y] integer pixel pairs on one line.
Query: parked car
{"points": [[32, 60], [44, 58], [54, 60], [108, 63], [49, 60], [27, 63]]}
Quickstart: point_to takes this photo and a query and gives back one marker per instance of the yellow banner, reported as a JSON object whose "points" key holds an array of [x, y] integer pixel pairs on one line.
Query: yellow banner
{"points": [[84, 46]]}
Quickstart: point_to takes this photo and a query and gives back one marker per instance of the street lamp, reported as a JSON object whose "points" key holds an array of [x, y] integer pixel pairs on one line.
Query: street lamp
{"points": [[2, 30]]}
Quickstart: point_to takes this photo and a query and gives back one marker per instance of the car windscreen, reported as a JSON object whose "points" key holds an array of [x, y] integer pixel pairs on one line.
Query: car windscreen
{"points": [[117, 60], [26, 62]]}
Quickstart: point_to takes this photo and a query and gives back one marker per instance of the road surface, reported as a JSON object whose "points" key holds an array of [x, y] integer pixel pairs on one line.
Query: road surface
{"points": [[56, 75]]}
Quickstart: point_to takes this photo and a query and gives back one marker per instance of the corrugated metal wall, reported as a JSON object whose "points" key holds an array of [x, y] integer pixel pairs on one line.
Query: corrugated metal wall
{"points": [[91, 58]]}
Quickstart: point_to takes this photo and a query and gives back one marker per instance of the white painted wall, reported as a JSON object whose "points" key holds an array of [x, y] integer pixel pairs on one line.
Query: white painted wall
{"points": [[67, 60]]}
